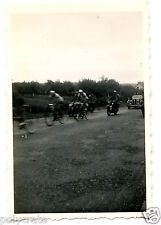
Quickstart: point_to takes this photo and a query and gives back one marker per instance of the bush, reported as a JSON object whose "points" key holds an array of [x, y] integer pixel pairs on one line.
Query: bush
{"points": [[102, 101]]}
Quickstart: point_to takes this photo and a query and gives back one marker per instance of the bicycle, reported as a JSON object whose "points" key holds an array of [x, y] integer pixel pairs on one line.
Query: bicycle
{"points": [[54, 113], [78, 110]]}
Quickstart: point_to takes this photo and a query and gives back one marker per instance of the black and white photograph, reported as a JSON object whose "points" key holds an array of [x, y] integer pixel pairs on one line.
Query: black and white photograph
{"points": [[78, 115]]}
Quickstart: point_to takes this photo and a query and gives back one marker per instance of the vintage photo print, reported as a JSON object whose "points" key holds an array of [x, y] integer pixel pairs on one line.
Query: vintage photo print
{"points": [[79, 125]]}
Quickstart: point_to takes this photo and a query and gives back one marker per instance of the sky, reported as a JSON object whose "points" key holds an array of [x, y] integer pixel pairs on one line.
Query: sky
{"points": [[73, 46]]}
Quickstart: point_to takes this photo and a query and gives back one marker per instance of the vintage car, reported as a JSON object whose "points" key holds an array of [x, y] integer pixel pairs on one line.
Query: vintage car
{"points": [[135, 102]]}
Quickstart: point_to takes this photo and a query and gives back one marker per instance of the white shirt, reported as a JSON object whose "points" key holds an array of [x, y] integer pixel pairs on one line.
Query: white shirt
{"points": [[58, 98]]}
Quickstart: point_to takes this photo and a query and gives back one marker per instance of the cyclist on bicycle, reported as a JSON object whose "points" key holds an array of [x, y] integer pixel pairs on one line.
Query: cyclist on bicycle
{"points": [[115, 98], [58, 104], [82, 97]]}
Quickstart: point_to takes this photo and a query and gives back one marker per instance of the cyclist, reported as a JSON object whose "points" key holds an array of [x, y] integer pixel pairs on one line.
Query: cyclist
{"points": [[114, 97], [58, 104], [82, 96]]}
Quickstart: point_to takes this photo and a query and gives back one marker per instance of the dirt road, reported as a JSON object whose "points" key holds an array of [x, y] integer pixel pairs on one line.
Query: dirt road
{"points": [[88, 166]]}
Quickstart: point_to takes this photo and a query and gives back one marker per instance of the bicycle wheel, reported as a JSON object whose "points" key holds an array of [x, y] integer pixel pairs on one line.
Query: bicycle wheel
{"points": [[84, 115], [60, 117], [49, 120]]}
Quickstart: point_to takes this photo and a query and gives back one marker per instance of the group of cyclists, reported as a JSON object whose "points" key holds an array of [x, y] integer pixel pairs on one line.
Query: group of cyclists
{"points": [[78, 108], [81, 96], [81, 103]]}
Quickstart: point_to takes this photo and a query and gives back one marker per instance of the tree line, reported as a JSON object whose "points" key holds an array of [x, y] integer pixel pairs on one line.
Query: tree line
{"points": [[36, 95], [101, 88]]}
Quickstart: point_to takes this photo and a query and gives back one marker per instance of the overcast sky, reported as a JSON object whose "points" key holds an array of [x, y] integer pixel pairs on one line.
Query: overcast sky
{"points": [[78, 45]]}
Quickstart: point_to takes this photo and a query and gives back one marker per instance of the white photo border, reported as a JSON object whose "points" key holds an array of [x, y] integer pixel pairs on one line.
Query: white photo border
{"points": [[141, 6]]}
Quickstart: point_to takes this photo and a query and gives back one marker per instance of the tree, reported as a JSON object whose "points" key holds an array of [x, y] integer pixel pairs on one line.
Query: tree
{"points": [[87, 85], [127, 91], [113, 85], [68, 88]]}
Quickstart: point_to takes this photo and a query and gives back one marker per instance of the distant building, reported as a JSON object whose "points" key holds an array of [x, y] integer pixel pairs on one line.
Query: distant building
{"points": [[140, 85]]}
